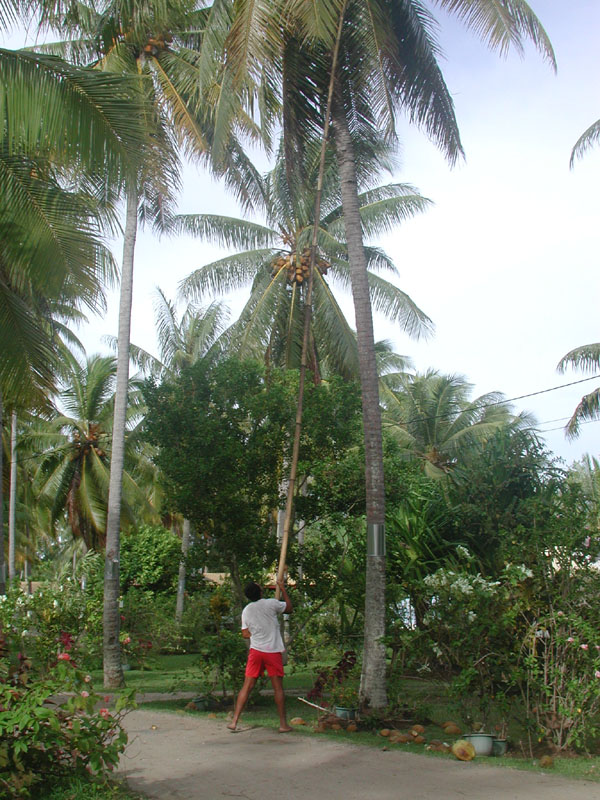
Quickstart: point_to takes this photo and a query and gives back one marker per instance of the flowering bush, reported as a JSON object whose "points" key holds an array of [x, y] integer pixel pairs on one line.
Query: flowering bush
{"points": [[58, 617], [474, 626], [560, 679], [49, 726]]}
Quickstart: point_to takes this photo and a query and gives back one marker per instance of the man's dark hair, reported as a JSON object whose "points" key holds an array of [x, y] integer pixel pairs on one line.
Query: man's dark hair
{"points": [[253, 592]]}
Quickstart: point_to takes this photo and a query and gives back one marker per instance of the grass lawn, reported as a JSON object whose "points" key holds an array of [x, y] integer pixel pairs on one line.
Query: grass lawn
{"points": [[182, 673]]}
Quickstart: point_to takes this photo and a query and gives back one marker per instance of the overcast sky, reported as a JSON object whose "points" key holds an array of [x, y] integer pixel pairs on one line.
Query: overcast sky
{"points": [[506, 262]]}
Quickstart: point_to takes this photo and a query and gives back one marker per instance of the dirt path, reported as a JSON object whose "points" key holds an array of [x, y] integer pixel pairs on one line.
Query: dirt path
{"points": [[179, 757]]}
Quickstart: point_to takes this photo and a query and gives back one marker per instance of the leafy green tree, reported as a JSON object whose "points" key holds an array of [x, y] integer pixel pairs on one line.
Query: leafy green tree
{"points": [[182, 342], [501, 492], [224, 432]]}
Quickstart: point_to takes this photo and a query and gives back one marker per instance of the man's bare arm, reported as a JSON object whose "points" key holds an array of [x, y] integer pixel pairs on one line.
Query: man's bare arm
{"points": [[246, 633], [288, 603]]}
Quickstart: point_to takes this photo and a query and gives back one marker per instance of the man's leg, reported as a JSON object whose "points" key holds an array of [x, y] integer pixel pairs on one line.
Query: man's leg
{"points": [[241, 701], [277, 682]]}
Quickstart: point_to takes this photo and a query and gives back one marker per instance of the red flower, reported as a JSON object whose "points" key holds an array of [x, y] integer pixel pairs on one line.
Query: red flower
{"points": [[64, 657]]}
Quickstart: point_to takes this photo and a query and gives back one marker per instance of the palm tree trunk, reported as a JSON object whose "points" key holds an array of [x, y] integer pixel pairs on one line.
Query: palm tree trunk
{"points": [[12, 498], [2, 561], [113, 672], [373, 686], [185, 546]]}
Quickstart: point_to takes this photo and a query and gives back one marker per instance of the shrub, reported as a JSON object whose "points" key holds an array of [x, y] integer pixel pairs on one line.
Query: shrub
{"points": [[560, 679], [50, 728]]}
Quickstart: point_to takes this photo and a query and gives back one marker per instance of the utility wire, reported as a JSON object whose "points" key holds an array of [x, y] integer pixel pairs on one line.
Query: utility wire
{"points": [[511, 400]]}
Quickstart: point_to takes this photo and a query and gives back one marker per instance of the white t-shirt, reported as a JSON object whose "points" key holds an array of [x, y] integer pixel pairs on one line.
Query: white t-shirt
{"points": [[260, 617]]}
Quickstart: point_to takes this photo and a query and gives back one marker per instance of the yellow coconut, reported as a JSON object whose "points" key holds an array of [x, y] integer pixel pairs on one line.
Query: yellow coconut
{"points": [[384, 732], [463, 750]]}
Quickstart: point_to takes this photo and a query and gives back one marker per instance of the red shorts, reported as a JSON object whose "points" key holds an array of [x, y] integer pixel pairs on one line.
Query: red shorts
{"points": [[259, 661]]}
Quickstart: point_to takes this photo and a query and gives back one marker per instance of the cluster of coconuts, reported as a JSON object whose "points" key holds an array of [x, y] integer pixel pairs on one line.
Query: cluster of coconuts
{"points": [[298, 266], [155, 44]]}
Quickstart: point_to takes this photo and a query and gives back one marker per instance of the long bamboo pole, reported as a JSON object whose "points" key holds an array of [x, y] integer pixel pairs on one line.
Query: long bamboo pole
{"points": [[289, 505]]}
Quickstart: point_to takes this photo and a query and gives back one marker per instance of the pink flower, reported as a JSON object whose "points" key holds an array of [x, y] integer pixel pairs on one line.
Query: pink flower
{"points": [[106, 698], [597, 673], [85, 694], [104, 713], [126, 640], [88, 678], [586, 541], [570, 639], [64, 657], [583, 646], [560, 614]]}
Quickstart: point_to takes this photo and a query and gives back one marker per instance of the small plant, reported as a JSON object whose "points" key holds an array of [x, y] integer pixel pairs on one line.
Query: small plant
{"points": [[345, 695], [329, 677]]}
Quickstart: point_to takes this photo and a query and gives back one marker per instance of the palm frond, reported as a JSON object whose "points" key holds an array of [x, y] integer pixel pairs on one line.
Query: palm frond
{"points": [[85, 116], [588, 409], [588, 139], [586, 358], [502, 24], [226, 274], [225, 231]]}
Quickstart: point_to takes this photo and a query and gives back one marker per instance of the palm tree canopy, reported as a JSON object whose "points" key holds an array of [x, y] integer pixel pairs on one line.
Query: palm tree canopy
{"points": [[587, 359], [275, 262], [74, 470], [432, 416]]}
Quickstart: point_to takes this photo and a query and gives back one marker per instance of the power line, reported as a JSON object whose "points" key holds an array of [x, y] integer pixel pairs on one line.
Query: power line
{"points": [[505, 401]]}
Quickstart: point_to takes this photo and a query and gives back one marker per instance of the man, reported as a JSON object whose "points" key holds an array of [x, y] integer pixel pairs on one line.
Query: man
{"points": [[261, 625]]}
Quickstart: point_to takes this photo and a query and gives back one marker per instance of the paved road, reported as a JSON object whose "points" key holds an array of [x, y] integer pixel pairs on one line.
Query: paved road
{"points": [[179, 757]]}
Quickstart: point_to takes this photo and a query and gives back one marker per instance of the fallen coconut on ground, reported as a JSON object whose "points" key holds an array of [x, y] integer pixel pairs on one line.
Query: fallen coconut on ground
{"points": [[463, 750]]}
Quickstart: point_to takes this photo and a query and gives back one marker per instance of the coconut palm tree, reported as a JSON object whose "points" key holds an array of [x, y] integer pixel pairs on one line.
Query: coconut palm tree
{"points": [[432, 416], [163, 42], [275, 260], [73, 472], [388, 62]]}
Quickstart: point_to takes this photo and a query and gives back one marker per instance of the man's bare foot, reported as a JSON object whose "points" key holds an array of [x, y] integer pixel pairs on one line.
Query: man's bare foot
{"points": [[232, 726], [285, 729]]}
